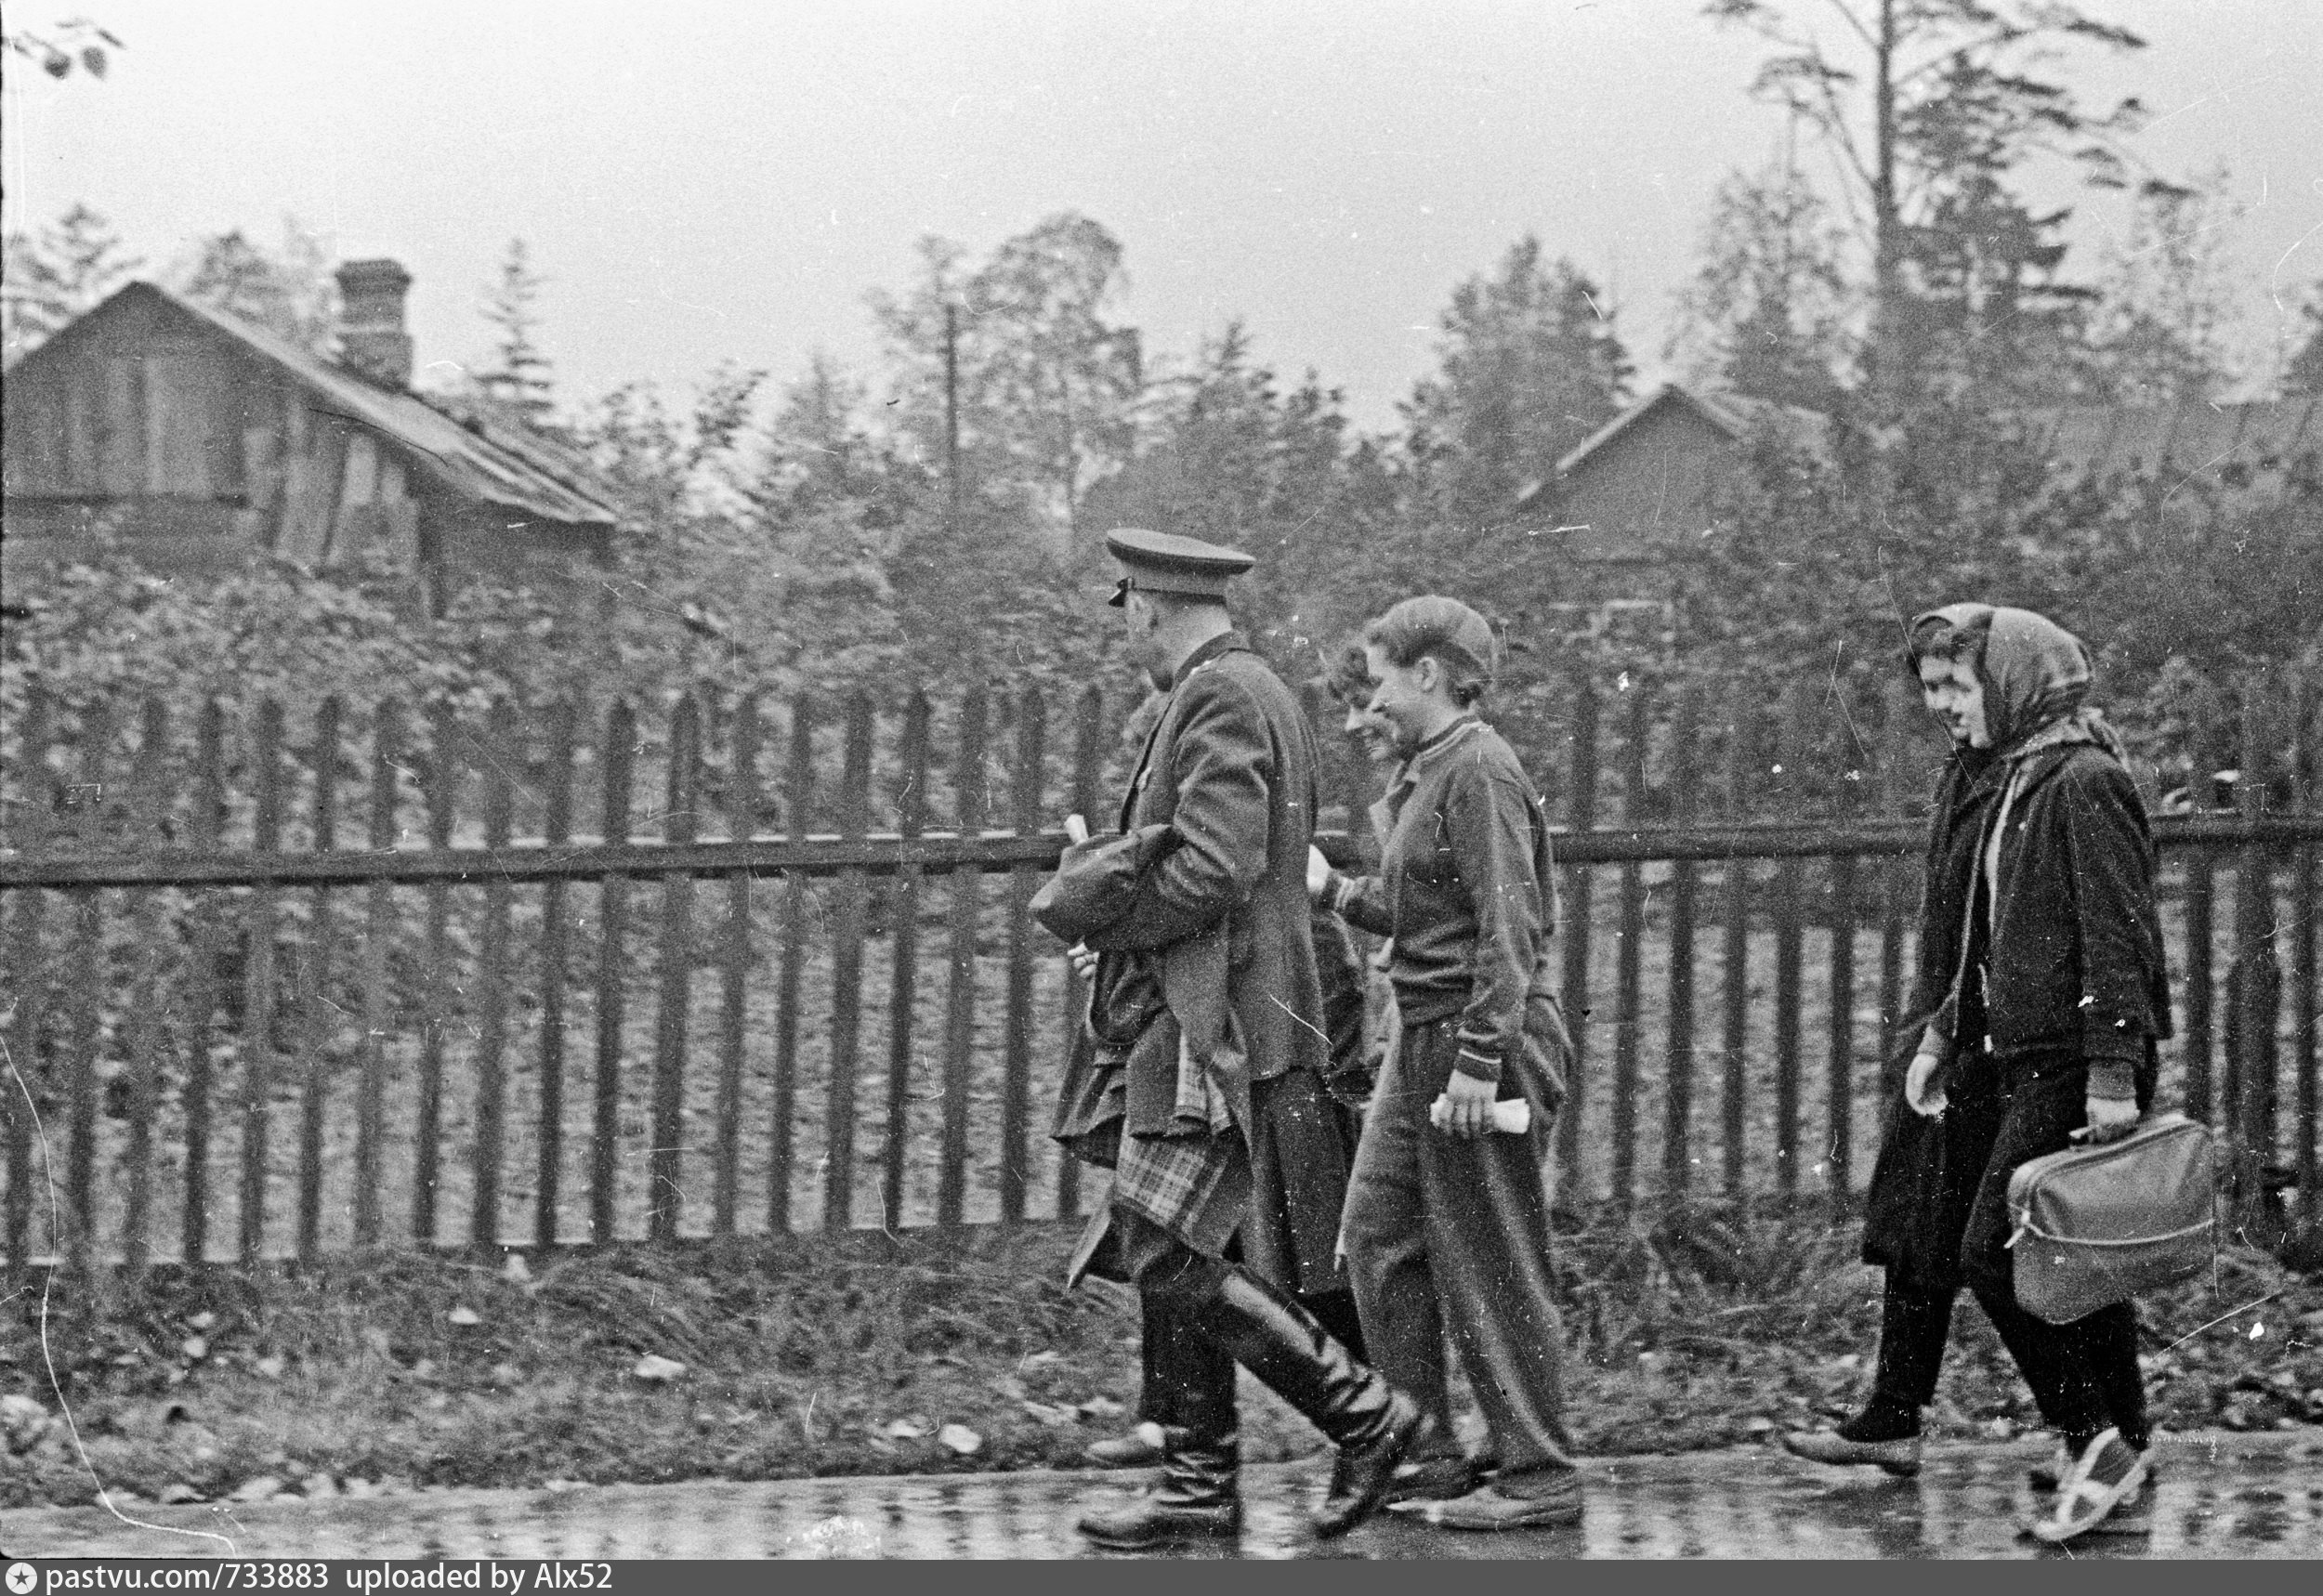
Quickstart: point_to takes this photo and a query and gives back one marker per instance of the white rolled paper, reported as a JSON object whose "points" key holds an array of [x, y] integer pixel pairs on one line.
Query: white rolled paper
{"points": [[1511, 1116]]}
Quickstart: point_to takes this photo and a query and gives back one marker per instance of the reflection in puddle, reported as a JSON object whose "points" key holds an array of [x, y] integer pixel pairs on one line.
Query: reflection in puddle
{"points": [[2219, 1496]]}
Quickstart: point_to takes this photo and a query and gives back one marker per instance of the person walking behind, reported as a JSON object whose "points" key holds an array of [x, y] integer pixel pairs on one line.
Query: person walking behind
{"points": [[2040, 994], [1446, 1223], [1209, 1078]]}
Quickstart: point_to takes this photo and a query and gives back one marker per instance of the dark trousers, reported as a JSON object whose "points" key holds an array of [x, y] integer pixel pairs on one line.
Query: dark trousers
{"points": [[2084, 1376], [1445, 1232], [1916, 1323], [1172, 1354]]}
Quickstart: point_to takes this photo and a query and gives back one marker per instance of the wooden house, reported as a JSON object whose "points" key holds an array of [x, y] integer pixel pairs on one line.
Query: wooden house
{"points": [[196, 441], [1625, 507], [1634, 495]]}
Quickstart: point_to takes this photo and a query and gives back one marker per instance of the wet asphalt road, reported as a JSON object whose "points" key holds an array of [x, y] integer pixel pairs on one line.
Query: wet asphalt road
{"points": [[2222, 1495]]}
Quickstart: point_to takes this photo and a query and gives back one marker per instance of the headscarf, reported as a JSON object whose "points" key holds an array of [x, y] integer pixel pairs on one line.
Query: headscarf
{"points": [[2036, 676]]}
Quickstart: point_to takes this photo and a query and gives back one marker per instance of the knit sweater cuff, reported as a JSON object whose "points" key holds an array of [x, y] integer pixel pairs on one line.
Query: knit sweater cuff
{"points": [[2112, 1079], [1477, 1065]]}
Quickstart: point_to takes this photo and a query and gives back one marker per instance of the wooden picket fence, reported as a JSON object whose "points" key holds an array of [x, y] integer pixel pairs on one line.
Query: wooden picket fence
{"points": [[252, 1015]]}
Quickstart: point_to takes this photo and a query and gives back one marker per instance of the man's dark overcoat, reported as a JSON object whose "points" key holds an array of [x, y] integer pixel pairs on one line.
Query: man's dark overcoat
{"points": [[1219, 931]]}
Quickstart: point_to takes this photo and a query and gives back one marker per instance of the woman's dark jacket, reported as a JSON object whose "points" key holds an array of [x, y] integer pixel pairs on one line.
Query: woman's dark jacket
{"points": [[2074, 966]]}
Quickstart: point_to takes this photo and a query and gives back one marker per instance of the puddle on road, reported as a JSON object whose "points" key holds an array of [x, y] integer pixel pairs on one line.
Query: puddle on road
{"points": [[2215, 1500]]}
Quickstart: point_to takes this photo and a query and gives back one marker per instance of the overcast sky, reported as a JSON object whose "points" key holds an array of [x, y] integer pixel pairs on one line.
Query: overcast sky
{"points": [[712, 181]]}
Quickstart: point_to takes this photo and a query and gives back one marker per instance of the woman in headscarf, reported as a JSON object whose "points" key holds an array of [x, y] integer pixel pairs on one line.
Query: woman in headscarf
{"points": [[2040, 994]]}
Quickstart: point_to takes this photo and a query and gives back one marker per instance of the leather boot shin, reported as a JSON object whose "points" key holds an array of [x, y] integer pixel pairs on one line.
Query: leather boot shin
{"points": [[1370, 1422]]}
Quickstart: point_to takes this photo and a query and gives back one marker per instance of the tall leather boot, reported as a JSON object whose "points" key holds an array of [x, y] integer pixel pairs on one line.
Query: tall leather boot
{"points": [[1191, 1381], [1368, 1421]]}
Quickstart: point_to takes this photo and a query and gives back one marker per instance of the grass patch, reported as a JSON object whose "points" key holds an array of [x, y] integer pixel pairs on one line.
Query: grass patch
{"points": [[850, 1354]]}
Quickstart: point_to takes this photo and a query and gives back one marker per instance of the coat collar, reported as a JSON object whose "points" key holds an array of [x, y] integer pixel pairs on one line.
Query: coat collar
{"points": [[1386, 812], [1225, 642]]}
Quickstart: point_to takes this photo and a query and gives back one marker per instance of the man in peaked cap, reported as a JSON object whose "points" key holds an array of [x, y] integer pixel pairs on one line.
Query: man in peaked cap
{"points": [[1206, 1089]]}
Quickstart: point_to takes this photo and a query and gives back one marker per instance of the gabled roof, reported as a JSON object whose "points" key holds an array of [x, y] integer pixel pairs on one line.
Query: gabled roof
{"points": [[2196, 437], [1737, 415], [471, 453], [1734, 415], [2199, 439]]}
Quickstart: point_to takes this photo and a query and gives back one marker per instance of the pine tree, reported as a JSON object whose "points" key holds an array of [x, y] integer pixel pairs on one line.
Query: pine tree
{"points": [[2163, 337], [1529, 366], [75, 263], [290, 292], [520, 376], [1928, 106], [1772, 309]]}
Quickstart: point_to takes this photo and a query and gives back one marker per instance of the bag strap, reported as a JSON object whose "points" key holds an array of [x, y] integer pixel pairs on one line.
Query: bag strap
{"points": [[2025, 1227]]}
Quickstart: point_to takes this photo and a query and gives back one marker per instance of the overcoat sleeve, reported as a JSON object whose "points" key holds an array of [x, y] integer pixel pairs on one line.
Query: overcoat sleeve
{"points": [[2110, 853], [1222, 764], [1362, 901], [1937, 941]]}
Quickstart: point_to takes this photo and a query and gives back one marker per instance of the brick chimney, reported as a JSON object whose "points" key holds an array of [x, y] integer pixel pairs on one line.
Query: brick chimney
{"points": [[371, 339]]}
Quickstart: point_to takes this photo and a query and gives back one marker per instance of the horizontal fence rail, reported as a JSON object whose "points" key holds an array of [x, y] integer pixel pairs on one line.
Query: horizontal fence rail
{"points": [[276, 988], [888, 854]]}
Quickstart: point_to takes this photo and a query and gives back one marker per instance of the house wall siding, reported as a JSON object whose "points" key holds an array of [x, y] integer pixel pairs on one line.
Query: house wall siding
{"points": [[1647, 496], [149, 425]]}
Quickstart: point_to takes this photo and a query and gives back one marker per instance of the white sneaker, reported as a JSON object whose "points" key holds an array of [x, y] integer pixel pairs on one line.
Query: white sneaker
{"points": [[2109, 1471]]}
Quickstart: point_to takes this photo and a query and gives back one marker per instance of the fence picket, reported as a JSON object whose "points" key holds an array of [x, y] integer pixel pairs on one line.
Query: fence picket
{"points": [[2200, 921], [314, 989], [258, 989], [665, 1159], [904, 945], [208, 825], [1677, 1135], [441, 792], [2307, 786], [1838, 1056], [1788, 913], [386, 755], [1733, 966], [846, 971], [1897, 894], [1025, 794], [612, 928], [798, 797], [1089, 761], [489, 1150], [147, 1003], [2255, 981], [1628, 955], [960, 1006], [29, 967], [84, 976], [1581, 816], [741, 782], [556, 832]]}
